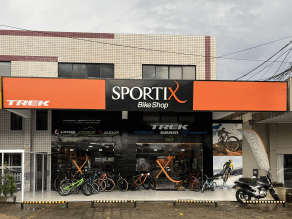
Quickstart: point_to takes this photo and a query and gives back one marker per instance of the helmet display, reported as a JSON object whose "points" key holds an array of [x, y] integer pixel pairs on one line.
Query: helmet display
{"points": [[230, 161]]}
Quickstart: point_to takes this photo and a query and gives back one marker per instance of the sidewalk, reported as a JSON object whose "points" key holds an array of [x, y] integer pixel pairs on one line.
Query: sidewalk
{"points": [[142, 195], [145, 210]]}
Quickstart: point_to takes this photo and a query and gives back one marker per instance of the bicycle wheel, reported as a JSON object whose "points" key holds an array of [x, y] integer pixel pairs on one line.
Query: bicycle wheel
{"points": [[146, 184], [152, 183], [132, 185], [203, 188], [101, 183], [95, 188], [57, 183], [232, 143], [63, 185], [213, 186], [110, 185], [191, 187], [86, 189], [122, 185], [197, 187]]}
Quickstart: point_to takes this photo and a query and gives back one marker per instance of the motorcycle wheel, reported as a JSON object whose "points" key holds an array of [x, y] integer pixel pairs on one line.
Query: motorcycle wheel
{"points": [[274, 195], [241, 196]]}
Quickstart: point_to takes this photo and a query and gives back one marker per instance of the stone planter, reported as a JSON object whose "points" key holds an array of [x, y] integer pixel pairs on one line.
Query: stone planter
{"points": [[281, 191], [7, 199]]}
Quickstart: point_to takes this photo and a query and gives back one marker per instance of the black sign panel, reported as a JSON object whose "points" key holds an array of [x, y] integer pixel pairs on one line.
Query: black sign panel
{"points": [[149, 95]]}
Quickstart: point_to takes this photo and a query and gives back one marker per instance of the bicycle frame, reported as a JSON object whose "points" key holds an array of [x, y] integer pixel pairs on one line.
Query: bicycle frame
{"points": [[79, 182], [139, 178]]}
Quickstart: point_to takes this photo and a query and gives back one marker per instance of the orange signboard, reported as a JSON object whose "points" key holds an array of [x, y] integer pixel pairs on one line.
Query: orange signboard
{"points": [[55, 93], [239, 96]]}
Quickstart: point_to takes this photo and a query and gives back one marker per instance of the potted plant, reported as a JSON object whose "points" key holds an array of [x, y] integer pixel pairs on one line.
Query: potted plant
{"points": [[9, 186]]}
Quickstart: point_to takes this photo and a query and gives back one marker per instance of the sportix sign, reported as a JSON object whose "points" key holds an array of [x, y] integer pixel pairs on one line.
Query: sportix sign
{"points": [[149, 95]]}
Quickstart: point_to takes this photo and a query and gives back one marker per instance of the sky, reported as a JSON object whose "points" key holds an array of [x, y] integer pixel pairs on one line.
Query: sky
{"points": [[237, 25]]}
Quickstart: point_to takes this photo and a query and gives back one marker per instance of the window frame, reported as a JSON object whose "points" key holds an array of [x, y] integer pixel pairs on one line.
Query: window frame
{"points": [[86, 71]]}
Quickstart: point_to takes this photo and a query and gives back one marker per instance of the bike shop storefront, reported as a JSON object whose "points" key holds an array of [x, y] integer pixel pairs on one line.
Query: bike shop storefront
{"points": [[150, 133]]}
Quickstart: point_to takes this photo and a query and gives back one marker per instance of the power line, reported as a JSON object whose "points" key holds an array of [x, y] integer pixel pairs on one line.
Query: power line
{"points": [[269, 66], [265, 61], [134, 47]]}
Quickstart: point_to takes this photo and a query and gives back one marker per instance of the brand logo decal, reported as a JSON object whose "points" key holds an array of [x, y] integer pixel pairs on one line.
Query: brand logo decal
{"points": [[170, 127], [185, 132], [147, 93], [28, 102], [144, 132]]}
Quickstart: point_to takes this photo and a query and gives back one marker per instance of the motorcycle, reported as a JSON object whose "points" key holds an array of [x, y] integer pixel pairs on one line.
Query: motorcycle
{"points": [[247, 191]]}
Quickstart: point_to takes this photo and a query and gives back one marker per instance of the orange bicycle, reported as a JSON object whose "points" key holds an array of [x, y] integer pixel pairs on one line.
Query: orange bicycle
{"points": [[145, 180], [195, 185], [109, 183]]}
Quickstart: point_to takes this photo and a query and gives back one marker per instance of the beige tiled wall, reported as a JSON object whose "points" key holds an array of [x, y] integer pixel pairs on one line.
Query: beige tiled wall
{"points": [[34, 69], [127, 51]]}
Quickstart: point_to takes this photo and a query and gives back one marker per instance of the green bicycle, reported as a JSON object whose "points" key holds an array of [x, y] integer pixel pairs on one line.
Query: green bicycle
{"points": [[69, 186]]}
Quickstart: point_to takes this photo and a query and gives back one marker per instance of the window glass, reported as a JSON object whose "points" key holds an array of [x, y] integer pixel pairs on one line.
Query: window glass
{"points": [[189, 73], [79, 71], [175, 72], [65, 70], [148, 72], [5, 68], [41, 120], [151, 116], [93, 71], [107, 71], [161, 72], [186, 118], [168, 117], [16, 122]]}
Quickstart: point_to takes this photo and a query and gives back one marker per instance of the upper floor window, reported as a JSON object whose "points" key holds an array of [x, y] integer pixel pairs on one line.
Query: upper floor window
{"points": [[84, 70], [5, 68], [15, 122], [181, 72], [42, 120]]}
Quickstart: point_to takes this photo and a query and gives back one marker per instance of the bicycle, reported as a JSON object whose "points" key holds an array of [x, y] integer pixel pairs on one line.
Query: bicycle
{"points": [[232, 143], [121, 183], [208, 184], [225, 176], [97, 186], [145, 180], [195, 185], [109, 183], [70, 186]]}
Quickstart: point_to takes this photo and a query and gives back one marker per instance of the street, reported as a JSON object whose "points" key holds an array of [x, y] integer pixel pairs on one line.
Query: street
{"points": [[145, 210]]}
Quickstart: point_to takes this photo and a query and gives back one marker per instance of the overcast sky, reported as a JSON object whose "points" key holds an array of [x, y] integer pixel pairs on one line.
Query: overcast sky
{"points": [[237, 25]]}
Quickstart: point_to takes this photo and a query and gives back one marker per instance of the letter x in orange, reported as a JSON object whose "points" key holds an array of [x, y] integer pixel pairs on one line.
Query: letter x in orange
{"points": [[173, 93]]}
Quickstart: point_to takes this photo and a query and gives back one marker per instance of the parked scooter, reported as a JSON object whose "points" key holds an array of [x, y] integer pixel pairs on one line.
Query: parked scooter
{"points": [[246, 191]]}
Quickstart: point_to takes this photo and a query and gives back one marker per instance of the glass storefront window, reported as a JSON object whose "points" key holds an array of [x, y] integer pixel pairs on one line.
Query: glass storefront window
{"points": [[179, 159], [288, 170]]}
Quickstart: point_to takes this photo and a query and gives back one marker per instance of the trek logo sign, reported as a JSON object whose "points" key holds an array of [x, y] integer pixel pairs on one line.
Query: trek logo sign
{"points": [[169, 129], [149, 95], [28, 102]]}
